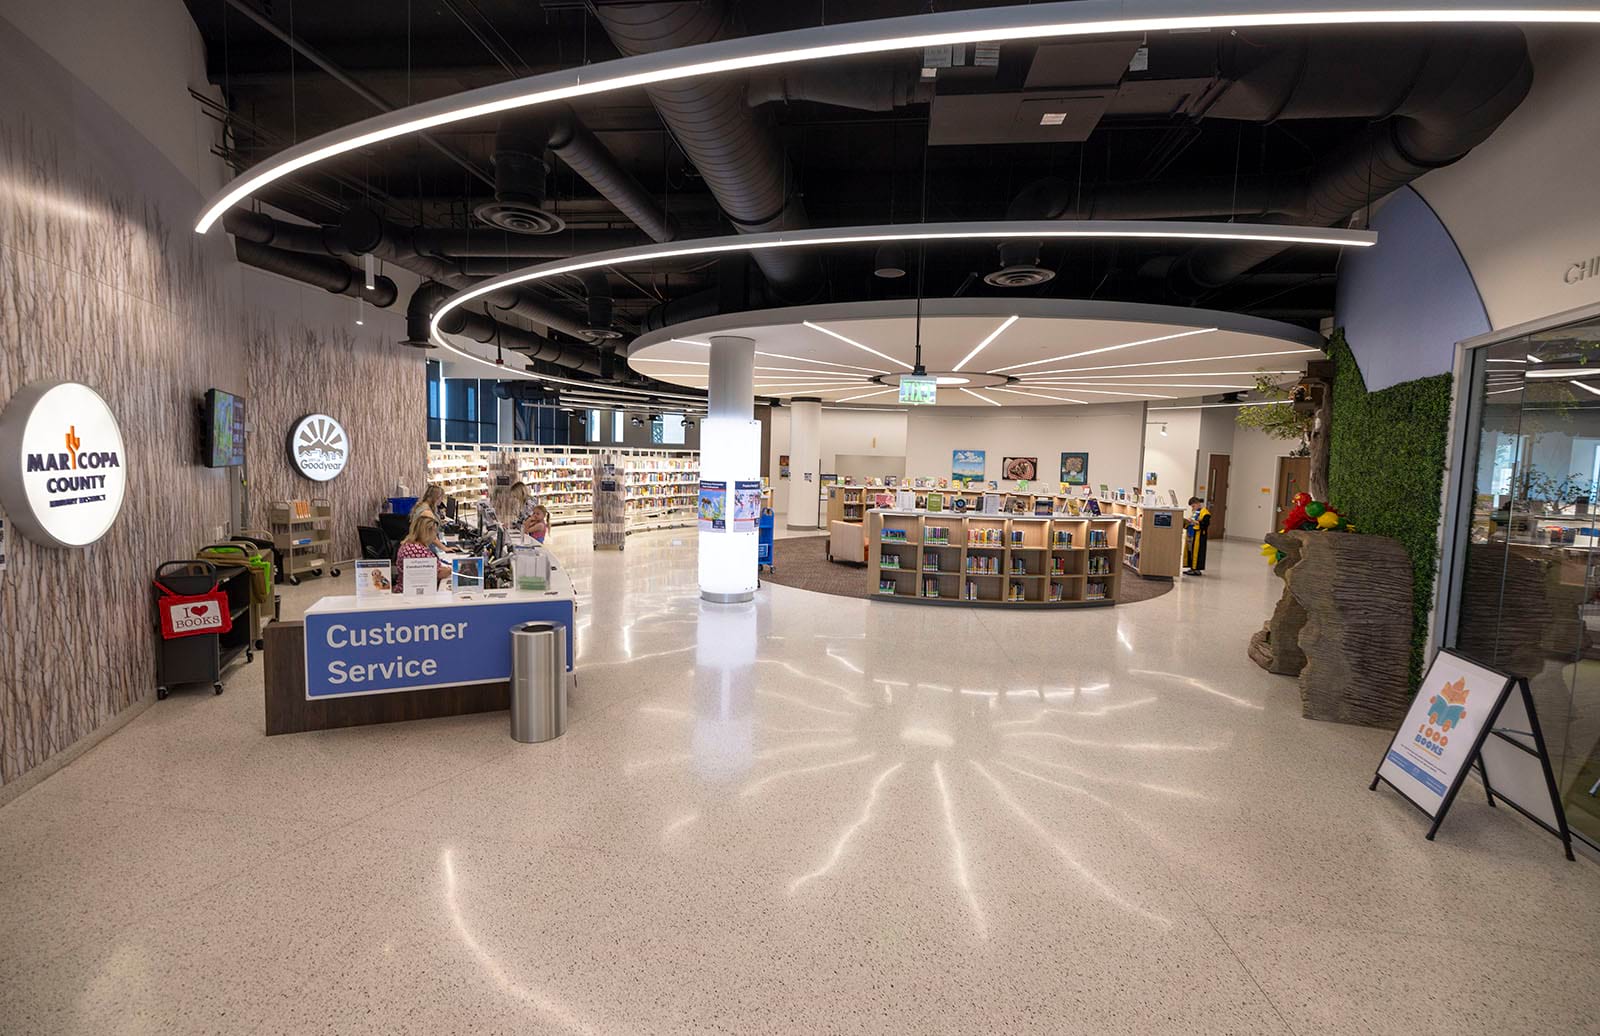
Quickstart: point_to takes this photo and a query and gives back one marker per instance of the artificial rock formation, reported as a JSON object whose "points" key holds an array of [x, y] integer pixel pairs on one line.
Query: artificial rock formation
{"points": [[1345, 621], [1276, 646]]}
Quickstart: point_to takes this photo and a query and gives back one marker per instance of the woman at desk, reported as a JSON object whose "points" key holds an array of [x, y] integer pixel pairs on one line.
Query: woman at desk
{"points": [[432, 503], [421, 542]]}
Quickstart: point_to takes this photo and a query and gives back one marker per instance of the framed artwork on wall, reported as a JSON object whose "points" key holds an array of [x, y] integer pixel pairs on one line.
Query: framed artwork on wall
{"points": [[967, 464], [1075, 469], [1022, 469]]}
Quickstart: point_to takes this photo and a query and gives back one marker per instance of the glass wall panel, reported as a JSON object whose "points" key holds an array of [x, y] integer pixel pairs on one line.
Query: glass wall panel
{"points": [[1530, 588]]}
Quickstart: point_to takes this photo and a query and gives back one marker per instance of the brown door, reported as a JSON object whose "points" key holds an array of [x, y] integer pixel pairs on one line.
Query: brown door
{"points": [[1294, 476], [1216, 493]]}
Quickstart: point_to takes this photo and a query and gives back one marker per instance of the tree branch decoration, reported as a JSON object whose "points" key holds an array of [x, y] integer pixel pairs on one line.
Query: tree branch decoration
{"points": [[1278, 419]]}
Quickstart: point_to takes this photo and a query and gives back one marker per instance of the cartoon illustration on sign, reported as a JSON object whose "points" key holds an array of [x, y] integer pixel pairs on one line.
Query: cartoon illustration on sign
{"points": [[1446, 708]]}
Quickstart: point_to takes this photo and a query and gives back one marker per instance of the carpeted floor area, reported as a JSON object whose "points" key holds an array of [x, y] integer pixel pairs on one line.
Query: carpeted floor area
{"points": [[802, 562]]}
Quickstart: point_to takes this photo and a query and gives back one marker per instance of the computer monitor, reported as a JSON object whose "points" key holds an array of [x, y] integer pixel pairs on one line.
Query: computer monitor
{"points": [[451, 508]]}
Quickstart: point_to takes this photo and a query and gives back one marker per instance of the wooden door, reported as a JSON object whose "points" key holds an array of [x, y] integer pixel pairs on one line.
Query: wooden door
{"points": [[1215, 492], [1294, 476]]}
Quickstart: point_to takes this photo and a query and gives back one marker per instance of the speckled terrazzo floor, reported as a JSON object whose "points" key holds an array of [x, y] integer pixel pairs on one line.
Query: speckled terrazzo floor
{"points": [[810, 815]]}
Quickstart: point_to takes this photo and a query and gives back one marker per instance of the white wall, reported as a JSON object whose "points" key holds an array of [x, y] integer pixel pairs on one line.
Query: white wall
{"points": [[1521, 206], [1110, 433], [139, 57], [1253, 483], [1172, 456], [861, 434]]}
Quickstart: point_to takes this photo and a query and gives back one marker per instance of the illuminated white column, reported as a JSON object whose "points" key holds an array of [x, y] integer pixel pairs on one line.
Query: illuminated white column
{"points": [[730, 453], [805, 456]]}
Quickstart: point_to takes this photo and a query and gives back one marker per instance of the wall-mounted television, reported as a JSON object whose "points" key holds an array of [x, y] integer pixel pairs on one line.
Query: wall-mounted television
{"points": [[223, 421]]}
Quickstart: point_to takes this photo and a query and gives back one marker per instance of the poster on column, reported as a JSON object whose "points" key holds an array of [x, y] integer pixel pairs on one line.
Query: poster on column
{"points": [[713, 506], [746, 506]]}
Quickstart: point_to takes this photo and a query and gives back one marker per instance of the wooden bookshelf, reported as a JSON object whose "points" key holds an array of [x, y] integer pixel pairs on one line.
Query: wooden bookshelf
{"points": [[847, 503], [1153, 544], [1002, 560]]}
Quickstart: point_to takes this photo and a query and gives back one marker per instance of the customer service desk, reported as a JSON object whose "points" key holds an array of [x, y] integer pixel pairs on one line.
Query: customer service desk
{"points": [[350, 663]]}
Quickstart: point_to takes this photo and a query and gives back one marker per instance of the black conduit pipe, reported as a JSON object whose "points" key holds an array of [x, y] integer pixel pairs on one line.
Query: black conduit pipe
{"points": [[321, 271]]}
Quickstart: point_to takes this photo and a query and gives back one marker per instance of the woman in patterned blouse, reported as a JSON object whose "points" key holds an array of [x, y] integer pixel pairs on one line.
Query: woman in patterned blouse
{"points": [[422, 541]]}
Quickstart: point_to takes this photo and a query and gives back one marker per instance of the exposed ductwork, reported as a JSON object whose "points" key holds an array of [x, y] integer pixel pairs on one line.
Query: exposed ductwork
{"points": [[867, 87], [264, 230], [1433, 97], [1439, 95], [322, 271], [521, 176], [582, 151], [462, 321], [601, 305], [364, 231], [519, 185], [736, 149], [488, 244]]}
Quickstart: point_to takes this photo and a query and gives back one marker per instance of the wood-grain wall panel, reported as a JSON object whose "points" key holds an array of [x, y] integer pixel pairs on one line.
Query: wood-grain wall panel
{"points": [[102, 281]]}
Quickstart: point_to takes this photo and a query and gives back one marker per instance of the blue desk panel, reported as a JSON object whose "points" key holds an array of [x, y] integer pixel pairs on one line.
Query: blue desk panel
{"points": [[380, 651]]}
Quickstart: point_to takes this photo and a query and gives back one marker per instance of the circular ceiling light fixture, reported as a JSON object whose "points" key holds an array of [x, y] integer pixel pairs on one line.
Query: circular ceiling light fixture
{"points": [[880, 36], [997, 230], [947, 379]]}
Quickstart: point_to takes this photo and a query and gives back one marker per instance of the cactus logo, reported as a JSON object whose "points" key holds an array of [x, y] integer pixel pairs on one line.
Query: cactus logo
{"points": [[319, 447], [65, 469]]}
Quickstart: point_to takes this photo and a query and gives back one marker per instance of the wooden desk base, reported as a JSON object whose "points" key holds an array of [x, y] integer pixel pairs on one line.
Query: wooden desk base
{"points": [[289, 712]]}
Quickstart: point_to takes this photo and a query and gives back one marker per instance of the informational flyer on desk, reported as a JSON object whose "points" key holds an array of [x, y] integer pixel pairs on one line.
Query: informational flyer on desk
{"points": [[1436, 742], [713, 509], [746, 506]]}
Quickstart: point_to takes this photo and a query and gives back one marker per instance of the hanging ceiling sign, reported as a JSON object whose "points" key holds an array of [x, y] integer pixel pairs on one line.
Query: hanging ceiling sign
{"points": [[63, 468], [319, 447]]}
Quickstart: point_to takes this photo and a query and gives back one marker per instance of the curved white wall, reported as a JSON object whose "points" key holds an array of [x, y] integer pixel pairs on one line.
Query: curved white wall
{"points": [[1524, 206]]}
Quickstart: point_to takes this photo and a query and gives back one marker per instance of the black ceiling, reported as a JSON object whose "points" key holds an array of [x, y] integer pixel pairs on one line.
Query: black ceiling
{"points": [[1152, 127]]}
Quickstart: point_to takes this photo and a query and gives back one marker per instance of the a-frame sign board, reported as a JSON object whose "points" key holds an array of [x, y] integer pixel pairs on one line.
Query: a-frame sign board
{"points": [[1467, 714]]}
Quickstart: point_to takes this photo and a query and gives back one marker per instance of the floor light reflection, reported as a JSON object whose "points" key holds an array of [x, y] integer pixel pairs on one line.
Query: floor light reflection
{"points": [[1160, 789], [958, 854], [549, 1006], [1198, 685], [1099, 884], [1127, 746], [849, 832], [754, 787]]}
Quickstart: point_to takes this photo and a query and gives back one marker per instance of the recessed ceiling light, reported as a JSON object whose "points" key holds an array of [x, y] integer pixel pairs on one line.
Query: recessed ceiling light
{"points": [[948, 380], [1107, 349], [867, 395], [1038, 395], [1163, 363], [974, 395], [1052, 118], [860, 38], [858, 345], [981, 346]]}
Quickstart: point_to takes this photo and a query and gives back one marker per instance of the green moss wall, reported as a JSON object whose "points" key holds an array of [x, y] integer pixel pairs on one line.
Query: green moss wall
{"points": [[1386, 469]]}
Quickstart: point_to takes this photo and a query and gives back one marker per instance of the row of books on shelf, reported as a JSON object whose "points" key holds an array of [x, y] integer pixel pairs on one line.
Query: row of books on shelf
{"points": [[1016, 591]]}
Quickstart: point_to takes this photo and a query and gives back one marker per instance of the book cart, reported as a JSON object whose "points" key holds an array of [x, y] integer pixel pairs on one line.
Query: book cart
{"points": [[302, 536], [1002, 560]]}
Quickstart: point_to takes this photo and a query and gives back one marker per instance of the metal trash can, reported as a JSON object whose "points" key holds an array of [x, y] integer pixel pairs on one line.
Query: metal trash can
{"points": [[538, 681]]}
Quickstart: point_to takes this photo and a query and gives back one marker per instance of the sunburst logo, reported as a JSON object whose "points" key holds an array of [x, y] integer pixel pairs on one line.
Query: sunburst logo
{"points": [[319, 447]]}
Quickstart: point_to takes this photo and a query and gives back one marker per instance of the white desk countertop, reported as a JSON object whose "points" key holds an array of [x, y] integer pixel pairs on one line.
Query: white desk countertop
{"points": [[561, 589]]}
